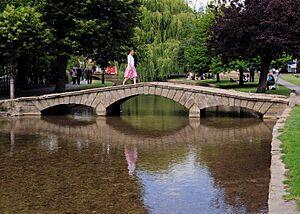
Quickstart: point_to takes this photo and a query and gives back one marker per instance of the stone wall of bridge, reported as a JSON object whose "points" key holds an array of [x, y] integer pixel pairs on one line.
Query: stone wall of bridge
{"points": [[107, 100]]}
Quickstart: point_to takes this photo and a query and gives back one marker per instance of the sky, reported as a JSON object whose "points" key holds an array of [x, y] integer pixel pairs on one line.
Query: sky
{"points": [[197, 3]]}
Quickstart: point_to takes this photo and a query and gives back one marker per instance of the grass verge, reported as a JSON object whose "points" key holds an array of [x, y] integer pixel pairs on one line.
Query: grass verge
{"points": [[248, 87], [291, 78], [291, 149]]}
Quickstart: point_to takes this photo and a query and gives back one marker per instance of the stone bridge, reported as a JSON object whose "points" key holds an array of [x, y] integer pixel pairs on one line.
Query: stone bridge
{"points": [[107, 101]]}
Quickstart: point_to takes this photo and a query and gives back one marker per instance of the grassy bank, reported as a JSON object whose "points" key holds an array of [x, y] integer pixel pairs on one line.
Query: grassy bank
{"points": [[248, 87], [291, 148], [292, 78]]}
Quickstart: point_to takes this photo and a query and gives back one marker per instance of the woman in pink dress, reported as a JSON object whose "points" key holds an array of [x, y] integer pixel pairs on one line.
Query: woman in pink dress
{"points": [[130, 72]]}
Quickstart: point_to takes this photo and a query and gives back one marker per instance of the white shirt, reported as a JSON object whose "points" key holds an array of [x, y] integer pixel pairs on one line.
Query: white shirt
{"points": [[130, 61]]}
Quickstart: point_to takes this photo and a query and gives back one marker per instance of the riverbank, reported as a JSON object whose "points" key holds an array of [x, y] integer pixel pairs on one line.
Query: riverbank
{"points": [[227, 84], [291, 149], [278, 170]]}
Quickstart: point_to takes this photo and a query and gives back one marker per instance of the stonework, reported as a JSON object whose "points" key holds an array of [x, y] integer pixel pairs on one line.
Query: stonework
{"points": [[194, 98], [277, 188]]}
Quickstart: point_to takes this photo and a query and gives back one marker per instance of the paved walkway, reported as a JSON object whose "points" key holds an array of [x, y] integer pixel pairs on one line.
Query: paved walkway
{"points": [[290, 86], [43, 90]]}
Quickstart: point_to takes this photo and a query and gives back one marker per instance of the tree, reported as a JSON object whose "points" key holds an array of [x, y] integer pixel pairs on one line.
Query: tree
{"points": [[264, 29], [217, 67], [100, 29], [198, 53], [22, 33], [164, 26]]}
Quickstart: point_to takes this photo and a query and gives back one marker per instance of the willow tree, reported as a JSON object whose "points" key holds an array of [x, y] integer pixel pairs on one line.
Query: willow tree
{"points": [[158, 37]]}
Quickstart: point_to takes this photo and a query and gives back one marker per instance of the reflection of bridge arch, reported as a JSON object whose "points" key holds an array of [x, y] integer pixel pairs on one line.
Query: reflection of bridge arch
{"points": [[110, 132], [194, 98]]}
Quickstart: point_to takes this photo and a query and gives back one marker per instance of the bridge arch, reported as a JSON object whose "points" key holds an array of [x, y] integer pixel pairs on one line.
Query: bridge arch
{"points": [[193, 98], [62, 109], [115, 108], [182, 97]]}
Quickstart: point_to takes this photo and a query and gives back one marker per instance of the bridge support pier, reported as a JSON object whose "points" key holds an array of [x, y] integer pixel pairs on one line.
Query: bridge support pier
{"points": [[101, 110], [194, 112]]}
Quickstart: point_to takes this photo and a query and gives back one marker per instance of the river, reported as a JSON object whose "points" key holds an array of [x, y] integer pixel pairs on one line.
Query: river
{"points": [[151, 159]]}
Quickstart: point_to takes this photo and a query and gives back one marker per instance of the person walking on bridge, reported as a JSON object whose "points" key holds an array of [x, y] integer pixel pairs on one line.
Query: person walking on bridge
{"points": [[130, 71]]}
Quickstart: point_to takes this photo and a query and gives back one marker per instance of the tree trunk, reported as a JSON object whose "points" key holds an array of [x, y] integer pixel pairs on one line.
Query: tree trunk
{"points": [[218, 77], [62, 62], [265, 64], [241, 82]]}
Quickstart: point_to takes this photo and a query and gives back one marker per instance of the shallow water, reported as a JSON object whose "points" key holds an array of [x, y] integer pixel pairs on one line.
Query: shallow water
{"points": [[146, 161]]}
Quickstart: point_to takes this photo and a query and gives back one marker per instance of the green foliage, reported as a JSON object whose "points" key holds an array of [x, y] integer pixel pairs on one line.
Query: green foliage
{"points": [[22, 31], [217, 66], [97, 29], [198, 54], [282, 61], [239, 64], [3, 108], [159, 36]]}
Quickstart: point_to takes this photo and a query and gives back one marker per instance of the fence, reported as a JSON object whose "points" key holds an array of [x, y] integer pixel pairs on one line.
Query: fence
{"points": [[4, 83]]}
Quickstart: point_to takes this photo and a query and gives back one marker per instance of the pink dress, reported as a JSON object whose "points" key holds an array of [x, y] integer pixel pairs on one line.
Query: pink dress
{"points": [[130, 71]]}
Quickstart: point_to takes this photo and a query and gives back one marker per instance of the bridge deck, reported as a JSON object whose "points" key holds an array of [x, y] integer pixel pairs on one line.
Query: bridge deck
{"points": [[193, 98]]}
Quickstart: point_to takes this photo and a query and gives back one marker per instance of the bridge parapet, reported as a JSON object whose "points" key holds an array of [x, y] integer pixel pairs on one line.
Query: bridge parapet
{"points": [[108, 99]]}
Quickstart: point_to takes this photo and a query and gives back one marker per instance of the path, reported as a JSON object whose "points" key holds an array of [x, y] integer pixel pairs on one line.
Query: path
{"points": [[43, 90], [293, 87], [290, 86]]}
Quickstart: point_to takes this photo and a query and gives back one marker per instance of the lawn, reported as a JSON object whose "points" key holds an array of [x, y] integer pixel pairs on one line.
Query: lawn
{"points": [[291, 148], [248, 87], [292, 78]]}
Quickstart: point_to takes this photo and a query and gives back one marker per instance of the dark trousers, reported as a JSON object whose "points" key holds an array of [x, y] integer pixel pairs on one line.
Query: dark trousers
{"points": [[252, 77], [74, 80], [78, 80], [89, 79]]}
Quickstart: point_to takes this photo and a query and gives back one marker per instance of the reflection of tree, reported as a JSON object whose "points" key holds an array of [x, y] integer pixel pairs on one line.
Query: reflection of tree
{"points": [[241, 169], [148, 126], [234, 155]]}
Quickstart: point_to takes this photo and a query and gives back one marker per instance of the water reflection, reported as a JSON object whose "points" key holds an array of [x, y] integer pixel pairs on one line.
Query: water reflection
{"points": [[131, 155], [60, 164]]}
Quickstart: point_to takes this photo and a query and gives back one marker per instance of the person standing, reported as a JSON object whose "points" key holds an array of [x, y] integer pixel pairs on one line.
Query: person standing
{"points": [[78, 75], [74, 75], [89, 75], [130, 71], [252, 74]]}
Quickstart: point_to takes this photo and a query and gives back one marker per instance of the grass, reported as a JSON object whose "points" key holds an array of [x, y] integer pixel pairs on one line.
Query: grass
{"points": [[291, 78], [2, 108], [95, 84], [248, 87], [281, 90], [291, 148]]}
